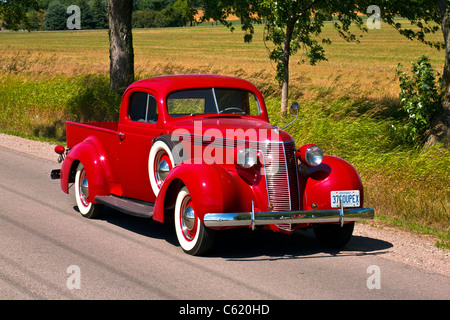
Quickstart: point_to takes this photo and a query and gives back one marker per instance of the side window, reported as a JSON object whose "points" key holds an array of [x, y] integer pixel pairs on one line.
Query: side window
{"points": [[143, 107]]}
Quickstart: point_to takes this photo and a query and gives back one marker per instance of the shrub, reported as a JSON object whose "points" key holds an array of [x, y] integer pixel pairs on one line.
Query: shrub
{"points": [[94, 101], [421, 99]]}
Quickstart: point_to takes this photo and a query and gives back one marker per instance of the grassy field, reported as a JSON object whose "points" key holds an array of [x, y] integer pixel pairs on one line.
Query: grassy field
{"points": [[348, 103]]}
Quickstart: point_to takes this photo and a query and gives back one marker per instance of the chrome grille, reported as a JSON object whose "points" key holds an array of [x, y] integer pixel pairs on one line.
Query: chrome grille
{"points": [[291, 164], [281, 176]]}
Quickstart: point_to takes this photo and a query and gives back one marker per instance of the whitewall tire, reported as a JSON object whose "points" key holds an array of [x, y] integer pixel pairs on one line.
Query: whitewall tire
{"points": [[87, 209], [193, 237], [160, 162]]}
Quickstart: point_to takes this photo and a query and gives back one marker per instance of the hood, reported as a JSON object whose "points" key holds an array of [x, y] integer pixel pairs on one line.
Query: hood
{"points": [[245, 128]]}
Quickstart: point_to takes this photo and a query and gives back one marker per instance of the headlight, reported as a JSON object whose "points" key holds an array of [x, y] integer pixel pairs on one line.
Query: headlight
{"points": [[311, 154], [246, 158]]}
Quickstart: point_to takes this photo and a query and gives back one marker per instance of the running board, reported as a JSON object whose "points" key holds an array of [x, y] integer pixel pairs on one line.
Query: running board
{"points": [[128, 206]]}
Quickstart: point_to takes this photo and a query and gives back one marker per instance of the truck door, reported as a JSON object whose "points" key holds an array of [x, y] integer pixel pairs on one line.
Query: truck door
{"points": [[136, 133]]}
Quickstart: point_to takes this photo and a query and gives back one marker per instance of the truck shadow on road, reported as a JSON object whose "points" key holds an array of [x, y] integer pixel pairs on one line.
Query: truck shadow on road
{"points": [[242, 244]]}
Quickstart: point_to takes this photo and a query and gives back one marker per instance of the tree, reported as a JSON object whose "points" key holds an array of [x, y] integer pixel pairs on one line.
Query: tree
{"points": [[87, 20], [55, 18], [13, 13], [187, 10], [100, 15], [35, 20], [121, 54], [291, 25], [441, 129]]}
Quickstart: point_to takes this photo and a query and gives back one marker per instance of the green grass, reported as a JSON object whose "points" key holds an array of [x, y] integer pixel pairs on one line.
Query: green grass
{"points": [[348, 104], [39, 107]]}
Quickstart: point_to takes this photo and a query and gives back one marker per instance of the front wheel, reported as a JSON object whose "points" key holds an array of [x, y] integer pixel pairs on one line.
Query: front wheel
{"points": [[193, 236], [333, 235], [87, 209]]}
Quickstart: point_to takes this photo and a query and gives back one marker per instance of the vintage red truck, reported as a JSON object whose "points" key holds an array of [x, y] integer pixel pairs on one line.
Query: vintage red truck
{"points": [[199, 151]]}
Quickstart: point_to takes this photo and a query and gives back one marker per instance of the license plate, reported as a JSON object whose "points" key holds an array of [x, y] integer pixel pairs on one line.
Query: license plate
{"points": [[347, 198]]}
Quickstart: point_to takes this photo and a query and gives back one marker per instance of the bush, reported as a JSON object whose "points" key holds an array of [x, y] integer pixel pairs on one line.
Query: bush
{"points": [[177, 15], [94, 101], [420, 98], [147, 19]]}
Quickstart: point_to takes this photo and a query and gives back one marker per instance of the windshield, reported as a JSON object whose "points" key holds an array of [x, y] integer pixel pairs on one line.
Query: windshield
{"points": [[212, 101]]}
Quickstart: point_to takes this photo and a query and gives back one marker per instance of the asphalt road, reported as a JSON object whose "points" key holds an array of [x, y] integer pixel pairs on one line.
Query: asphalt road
{"points": [[48, 251]]}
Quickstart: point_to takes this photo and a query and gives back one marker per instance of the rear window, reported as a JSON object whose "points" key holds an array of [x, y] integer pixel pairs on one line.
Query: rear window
{"points": [[143, 107]]}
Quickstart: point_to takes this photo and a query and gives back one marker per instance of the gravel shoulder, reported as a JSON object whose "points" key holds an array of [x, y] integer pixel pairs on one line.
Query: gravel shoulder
{"points": [[408, 248]]}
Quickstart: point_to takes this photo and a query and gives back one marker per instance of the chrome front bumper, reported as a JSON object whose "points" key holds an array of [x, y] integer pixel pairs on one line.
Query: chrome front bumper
{"points": [[253, 218]]}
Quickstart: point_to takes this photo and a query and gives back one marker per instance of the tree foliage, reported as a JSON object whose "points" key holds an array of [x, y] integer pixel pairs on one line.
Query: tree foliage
{"points": [[99, 14], [55, 18], [180, 14], [13, 13], [424, 16]]}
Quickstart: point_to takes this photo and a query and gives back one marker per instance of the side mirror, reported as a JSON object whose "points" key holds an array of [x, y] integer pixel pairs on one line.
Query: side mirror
{"points": [[293, 108]]}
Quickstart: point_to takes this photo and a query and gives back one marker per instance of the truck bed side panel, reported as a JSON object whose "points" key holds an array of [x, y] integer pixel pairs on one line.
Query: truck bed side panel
{"points": [[104, 136]]}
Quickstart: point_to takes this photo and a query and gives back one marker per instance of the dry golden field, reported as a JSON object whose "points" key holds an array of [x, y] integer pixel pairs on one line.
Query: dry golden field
{"points": [[355, 70]]}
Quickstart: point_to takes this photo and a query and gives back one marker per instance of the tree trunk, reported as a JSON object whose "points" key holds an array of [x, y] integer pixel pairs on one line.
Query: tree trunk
{"points": [[441, 123], [121, 54], [286, 55]]}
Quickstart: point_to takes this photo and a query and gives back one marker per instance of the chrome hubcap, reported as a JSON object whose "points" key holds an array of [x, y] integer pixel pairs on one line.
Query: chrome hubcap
{"points": [[163, 170], [84, 189], [189, 218], [161, 167]]}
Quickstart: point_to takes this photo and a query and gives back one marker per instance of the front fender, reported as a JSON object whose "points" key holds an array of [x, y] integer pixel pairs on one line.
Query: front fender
{"points": [[94, 163], [212, 188], [333, 174]]}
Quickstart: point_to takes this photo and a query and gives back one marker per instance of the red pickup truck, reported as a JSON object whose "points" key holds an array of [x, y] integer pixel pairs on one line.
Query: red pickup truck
{"points": [[199, 151]]}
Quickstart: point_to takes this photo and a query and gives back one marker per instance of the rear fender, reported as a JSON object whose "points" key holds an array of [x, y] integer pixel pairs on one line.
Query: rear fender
{"points": [[212, 188], [333, 174], [95, 164]]}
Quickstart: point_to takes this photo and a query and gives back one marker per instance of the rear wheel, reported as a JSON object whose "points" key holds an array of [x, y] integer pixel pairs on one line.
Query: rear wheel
{"points": [[193, 236], [333, 235], [87, 209]]}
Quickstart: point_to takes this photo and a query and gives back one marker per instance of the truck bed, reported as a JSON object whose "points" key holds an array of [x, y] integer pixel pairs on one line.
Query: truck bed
{"points": [[77, 132]]}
